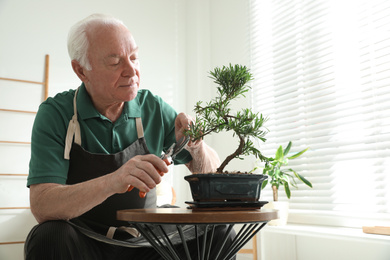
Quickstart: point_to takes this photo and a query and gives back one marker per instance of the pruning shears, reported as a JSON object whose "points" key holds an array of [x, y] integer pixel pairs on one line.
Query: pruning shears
{"points": [[168, 157]]}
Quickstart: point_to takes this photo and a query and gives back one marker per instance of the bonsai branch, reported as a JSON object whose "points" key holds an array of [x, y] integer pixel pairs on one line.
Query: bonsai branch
{"points": [[216, 116]]}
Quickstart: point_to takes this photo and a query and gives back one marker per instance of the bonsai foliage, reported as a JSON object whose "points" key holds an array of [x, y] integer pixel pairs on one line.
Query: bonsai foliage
{"points": [[282, 177], [216, 116]]}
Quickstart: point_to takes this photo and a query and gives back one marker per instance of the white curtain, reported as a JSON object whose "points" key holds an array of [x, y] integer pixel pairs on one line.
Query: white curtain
{"points": [[322, 77]]}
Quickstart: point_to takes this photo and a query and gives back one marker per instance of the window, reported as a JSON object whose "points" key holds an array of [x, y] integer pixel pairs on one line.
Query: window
{"points": [[322, 77]]}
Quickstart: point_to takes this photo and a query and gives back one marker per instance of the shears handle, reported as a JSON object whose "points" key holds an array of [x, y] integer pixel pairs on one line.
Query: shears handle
{"points": [[143, 194]]}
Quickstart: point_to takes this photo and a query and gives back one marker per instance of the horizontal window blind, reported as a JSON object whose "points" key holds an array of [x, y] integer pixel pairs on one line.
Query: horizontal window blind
{"points": [[322, 77]]}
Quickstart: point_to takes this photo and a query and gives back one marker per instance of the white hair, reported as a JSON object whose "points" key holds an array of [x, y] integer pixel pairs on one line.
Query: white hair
{"points": [[77, 38]]}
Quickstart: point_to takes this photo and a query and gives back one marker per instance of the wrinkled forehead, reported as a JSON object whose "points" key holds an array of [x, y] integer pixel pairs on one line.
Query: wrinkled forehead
{"points": [[109, 38]]}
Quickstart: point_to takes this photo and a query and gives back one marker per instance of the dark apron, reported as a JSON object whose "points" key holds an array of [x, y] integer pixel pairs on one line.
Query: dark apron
{"points": [[85, 166], [98, 223]]}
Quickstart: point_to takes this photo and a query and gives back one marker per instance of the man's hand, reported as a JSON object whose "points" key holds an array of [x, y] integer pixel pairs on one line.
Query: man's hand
{"points": [[183, 122], [142, 171], [204, 158]]}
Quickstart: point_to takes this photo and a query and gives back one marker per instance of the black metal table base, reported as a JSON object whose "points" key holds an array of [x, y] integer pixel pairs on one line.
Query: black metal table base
{"points": [[160, 240]]}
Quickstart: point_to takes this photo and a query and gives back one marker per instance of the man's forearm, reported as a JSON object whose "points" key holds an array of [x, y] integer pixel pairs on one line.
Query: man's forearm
{"points": [[50, 201], [55, 201], [204, 159]]}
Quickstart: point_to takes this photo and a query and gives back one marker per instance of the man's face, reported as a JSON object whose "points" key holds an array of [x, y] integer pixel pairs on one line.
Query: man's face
{"points": [[113, 55]]}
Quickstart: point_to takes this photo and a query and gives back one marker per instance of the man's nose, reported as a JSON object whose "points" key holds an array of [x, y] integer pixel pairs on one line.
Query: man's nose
{"points": [[129, 69]]}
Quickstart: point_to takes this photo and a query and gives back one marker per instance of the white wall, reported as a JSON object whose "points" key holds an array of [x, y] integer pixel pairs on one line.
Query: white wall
{"points": [[31, 29]]}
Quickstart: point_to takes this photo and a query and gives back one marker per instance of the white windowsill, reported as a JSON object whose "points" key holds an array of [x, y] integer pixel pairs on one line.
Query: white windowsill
{"points": [[325, 231]]}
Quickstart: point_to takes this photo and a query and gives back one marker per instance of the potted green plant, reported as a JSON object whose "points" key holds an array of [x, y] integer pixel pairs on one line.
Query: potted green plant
{"points": [[217, 116], [275, 168]]}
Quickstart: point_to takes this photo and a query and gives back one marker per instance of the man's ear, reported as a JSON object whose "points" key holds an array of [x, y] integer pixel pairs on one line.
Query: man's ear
{"points": [[79, 70]]}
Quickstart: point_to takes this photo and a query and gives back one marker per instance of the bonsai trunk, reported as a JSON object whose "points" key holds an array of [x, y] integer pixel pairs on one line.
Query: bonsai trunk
{"points": [[233, 155], [275, 192]]}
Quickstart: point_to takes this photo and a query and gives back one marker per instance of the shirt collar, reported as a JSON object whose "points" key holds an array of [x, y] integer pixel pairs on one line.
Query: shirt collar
{"points": [[86, 109]]}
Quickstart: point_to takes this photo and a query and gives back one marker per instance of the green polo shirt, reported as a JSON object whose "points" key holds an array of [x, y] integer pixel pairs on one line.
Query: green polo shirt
{"points": [[98, 133]]}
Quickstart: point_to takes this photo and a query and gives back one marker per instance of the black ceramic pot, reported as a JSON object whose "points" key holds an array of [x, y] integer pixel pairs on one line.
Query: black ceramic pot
{"points": [[225, 187]]}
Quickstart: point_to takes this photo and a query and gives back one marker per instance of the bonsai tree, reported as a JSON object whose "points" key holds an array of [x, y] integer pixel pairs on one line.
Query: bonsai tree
{"points": [[280, 176], [216, 116]]}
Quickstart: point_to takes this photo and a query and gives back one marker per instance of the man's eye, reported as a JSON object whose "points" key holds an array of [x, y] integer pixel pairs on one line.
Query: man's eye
{"points": [[113, 61]]}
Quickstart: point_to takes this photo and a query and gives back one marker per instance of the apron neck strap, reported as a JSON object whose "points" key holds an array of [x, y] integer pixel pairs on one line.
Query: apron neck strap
{"points": [[140, 129], [73, 130]]}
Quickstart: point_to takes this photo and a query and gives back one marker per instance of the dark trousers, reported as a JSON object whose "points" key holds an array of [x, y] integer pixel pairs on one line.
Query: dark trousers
{"points": [[60, 240]]}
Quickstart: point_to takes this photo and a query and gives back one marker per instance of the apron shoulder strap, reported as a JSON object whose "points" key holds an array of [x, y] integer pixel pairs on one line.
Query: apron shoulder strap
{"points": [[140, 129], [73, 130]]}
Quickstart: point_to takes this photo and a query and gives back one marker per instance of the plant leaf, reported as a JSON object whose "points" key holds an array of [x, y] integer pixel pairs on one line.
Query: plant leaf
{"points": [[279, 153], [287, 149], [287, 189], [297, 154], [264, 184], [303, 179], [284, 177]]}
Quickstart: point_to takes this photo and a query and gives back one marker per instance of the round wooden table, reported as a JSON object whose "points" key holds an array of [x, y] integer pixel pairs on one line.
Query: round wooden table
{"points": [[150, 222]]}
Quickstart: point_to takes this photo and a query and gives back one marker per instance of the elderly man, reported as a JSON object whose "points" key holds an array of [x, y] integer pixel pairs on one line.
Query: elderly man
{"points": [[90, 145]]}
